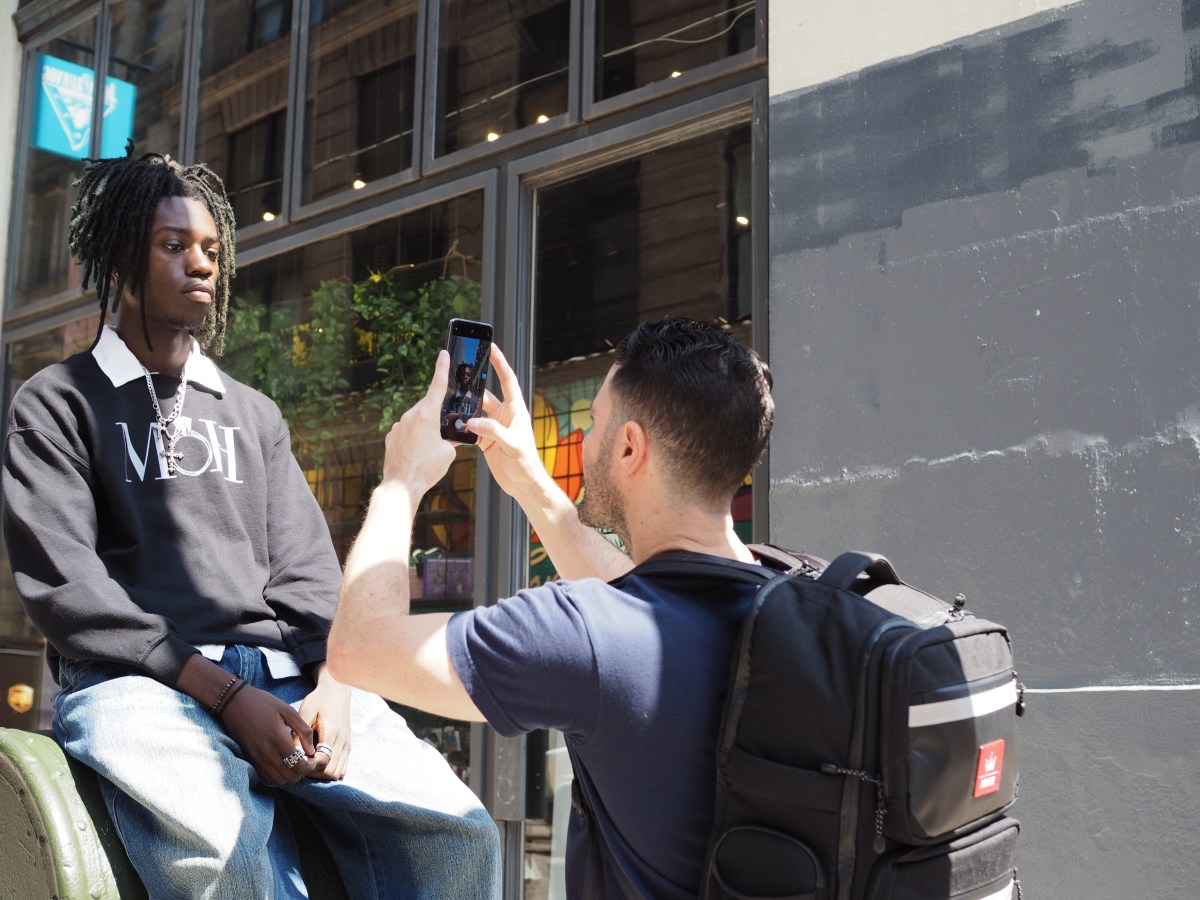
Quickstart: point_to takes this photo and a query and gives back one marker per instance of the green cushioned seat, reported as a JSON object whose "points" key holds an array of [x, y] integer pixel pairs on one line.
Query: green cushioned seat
{"points": [[56, 840]]}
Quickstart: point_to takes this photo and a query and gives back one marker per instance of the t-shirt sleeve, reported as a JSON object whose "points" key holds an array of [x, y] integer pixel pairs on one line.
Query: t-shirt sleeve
{"points": [[528, 662]]}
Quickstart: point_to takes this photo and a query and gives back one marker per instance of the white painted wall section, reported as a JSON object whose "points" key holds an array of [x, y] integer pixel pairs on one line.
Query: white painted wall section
{"points": [[814, 41]]}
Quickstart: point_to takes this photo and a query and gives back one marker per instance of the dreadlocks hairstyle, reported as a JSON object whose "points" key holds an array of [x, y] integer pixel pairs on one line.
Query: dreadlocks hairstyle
{"points": [[110, 230]]}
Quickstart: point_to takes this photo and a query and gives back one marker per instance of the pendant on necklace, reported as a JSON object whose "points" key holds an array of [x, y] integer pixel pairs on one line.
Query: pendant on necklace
{"points": [[168, 452]]}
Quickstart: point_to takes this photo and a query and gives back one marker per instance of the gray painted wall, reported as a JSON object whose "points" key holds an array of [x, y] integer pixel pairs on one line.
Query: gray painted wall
{"points": [[985, 335]]}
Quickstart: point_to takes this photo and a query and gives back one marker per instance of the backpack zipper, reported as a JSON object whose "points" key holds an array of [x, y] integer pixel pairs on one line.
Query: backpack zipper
{"points": [[879, 844]]}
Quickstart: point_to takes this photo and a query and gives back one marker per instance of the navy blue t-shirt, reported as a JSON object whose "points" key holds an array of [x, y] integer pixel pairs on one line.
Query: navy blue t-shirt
{"points": [[634, 673]]}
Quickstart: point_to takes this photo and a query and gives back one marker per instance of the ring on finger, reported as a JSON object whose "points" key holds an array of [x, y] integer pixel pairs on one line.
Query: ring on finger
{"points": [[325, 748], [293, 758]]}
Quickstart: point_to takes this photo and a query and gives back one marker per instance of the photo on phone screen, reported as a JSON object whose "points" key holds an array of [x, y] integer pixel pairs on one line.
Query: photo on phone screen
{"points": [[469, 345]]}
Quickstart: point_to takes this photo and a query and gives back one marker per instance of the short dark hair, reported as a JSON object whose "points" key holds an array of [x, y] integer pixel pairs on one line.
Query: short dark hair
{"points": [[110, 229], [708, 398]]}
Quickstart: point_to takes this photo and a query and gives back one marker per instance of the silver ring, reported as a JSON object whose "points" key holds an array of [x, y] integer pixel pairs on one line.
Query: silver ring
{"points": [[326, 748], [293, 758]]}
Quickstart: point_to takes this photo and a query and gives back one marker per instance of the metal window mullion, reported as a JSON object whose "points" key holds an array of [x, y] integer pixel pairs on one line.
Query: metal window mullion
{"points": [[294, 124], [588, 57], [189, 108], [427, 102], [576, 60], [760, 280], [102, 42], [422, 72]]}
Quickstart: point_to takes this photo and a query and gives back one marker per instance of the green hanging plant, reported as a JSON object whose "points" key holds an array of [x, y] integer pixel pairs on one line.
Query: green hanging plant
{"points": [[405, 330], [301, 367]]}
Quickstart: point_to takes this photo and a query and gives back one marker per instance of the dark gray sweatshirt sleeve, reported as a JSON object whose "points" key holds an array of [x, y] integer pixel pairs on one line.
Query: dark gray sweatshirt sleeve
{"points": [[51, 528]]}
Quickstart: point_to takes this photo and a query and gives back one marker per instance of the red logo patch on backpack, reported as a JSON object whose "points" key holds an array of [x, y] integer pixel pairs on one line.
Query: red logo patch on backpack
{"points": [[989, 768]]}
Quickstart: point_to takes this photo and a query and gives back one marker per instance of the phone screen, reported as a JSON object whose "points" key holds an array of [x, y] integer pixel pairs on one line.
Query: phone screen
{"points": [[469, 344]]}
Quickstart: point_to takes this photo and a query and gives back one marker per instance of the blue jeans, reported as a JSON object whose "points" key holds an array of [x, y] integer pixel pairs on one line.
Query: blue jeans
{"points": [[197, 821]]}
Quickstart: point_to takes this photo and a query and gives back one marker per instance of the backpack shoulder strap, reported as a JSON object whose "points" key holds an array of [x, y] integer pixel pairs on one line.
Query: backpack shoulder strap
{"points": [[773, 559], [793, 562]]}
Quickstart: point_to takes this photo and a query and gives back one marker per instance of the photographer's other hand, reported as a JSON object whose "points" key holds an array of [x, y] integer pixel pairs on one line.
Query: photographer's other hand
{"points": [[506, 439], [327, 712]]}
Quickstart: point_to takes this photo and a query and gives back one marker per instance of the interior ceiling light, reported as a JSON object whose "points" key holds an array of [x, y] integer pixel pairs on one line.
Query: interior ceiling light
{"points": [[359, 184], [268, 216], [676, 74], [493, 136], [543, 119], [742, 220]]}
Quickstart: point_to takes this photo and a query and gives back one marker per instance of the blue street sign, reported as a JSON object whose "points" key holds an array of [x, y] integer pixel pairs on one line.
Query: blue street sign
{"points": [[64, 110]]}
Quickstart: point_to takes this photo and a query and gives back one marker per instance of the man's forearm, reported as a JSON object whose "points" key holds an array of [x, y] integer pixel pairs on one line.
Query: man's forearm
{"points": [[375, 577], [576, 550], [375, 589], [375, 643]]}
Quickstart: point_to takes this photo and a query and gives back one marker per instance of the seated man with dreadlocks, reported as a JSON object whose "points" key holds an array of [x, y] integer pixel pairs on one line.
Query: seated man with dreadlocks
{"points": [[165, 541]]}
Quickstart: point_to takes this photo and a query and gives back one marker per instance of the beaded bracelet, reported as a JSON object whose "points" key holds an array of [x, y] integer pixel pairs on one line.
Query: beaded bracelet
{"points": [[220, 714], [221, 696]]}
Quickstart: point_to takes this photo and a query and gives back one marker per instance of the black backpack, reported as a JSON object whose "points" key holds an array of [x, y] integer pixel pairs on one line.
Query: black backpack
{"points": [[868, 748], [869, 743]]}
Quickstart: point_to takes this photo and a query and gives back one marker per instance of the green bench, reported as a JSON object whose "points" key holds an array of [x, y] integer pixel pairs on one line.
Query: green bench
{"points": [[56, 840]]}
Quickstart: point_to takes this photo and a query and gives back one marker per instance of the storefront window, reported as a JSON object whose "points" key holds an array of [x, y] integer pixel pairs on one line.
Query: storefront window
{"points": [[361, 92], [145, 70], [663, 236], [642, 43], [59, 99], [342, 334], [242, 120], [501, 67]]}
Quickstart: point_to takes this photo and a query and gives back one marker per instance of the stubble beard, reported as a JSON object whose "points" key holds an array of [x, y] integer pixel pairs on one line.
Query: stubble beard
{"points": [[602, 506]]}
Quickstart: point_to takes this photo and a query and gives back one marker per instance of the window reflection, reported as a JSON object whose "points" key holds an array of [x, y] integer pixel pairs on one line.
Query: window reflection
{"points": [[642, 43], [254, 173], [147, 54], [59, 135], [501, 68], [360, 104], [667, 233], [342, 334], [662, 235], [244, 71]]}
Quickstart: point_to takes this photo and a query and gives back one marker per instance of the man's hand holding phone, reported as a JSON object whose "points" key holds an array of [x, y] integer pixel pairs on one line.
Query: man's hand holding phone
{"points": [[415, 455]]}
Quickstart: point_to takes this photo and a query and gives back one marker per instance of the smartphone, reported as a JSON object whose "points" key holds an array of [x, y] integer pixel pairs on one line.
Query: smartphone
{"points": [[469, 345]]}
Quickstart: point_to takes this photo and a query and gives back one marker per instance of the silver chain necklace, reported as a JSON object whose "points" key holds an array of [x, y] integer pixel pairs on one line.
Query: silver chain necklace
{"points": [[168, 437]]}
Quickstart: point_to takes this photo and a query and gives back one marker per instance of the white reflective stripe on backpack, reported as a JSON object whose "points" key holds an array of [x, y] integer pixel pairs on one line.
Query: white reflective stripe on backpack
{"points": [[1005, 893], [969, 707]]}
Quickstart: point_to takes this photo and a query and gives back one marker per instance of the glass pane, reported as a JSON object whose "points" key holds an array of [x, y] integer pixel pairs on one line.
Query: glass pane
{"points": [[664, 233], [342, 334], [18, 637], [641, 43], [359, 114], [145, 69], [244, 64], [667, 233], [501, 67], [59, 100]]}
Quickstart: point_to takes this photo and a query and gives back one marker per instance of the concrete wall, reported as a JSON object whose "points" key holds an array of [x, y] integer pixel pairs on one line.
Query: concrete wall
{"points": [[985, 334]]}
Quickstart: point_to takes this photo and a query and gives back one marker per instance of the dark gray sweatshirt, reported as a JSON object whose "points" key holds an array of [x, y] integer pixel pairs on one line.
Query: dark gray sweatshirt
{"points": [[118, 560]]}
